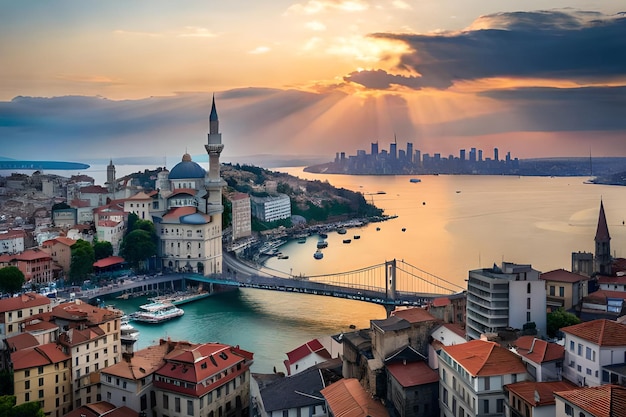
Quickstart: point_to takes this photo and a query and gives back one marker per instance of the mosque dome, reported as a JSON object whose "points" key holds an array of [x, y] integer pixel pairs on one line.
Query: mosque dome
{"points": [[186, 169]]}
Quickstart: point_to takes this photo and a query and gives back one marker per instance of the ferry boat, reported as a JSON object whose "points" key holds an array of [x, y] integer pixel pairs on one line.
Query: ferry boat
{"points": [[156, 312]]}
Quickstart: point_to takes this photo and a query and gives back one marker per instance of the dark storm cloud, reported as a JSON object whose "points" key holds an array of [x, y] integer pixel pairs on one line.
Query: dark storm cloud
{"points": [[555, 45]]}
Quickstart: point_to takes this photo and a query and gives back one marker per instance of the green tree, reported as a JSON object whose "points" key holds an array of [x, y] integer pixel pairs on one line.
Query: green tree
{"points": [[102, 249], [11, 279], [6, 383], [559, 319], [83, 257], [9, 409], [132, 219], [138, 246]]}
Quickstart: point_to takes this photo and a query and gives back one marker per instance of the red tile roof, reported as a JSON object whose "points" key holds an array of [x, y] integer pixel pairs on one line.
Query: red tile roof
{"points": [[602, 401], [482, 358], [111, 260], [62, 240], [21, 341], [94, 189], [414, 315], [412, 373], [143, 362], [529, 391], [176, 213], [561, 275], [140, 196], [12, 234], [101, 409], [604, 294], [347, 398], [107, 223], [32, 255], [539, 351], [601, 332], [313, 346], [441, 302], [602, 279], [38, 356], [27, 300], [178, 191]]}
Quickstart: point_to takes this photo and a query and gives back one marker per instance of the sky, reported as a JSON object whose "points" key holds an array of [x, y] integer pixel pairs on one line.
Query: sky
{"points": [[82, 80]]}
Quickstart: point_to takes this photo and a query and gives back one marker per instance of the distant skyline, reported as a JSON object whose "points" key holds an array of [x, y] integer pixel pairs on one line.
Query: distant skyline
{"points": [[311, 78]]}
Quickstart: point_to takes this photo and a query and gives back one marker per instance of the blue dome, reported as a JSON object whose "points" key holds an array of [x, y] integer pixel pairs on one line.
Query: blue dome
{"points": [[186, 169], [195, 218]]}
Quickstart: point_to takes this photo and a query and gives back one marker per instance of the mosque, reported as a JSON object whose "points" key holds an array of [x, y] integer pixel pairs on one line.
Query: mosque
{"points": [[187, 210]]}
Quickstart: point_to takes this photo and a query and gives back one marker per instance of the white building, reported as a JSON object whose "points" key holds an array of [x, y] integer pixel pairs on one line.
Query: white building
{"points": [[472, 376], [271, 208], [139, 204], [589, 346], [12, 242], [111, 231], [510, 296]]}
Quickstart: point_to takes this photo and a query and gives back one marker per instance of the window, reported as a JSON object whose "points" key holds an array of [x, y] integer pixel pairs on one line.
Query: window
{"points": [[588, 353], [561, 291], [500, 405], [445, 396], [486, 406], [27, 397], [40, 393], [41, 382], [177, 404], [568, 410], [487, 384], [528, 319], [528, 288], [166, 401], [189, 408], [571, 345], [27, 384], [580, 349], [27, 373], [528, 303], [552, 290]]}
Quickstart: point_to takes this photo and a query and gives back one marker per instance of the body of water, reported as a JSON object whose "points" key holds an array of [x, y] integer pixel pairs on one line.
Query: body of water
{"points": [[453, 224]]}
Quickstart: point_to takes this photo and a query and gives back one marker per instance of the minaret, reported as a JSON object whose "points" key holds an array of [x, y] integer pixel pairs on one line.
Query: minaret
{"points": [[214, 148], [603, 245], [111, 176]]}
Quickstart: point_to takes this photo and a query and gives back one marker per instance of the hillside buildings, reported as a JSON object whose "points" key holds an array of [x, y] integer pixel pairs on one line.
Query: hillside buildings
{"points": [[508, 296], [271, 208], [241, 216]]}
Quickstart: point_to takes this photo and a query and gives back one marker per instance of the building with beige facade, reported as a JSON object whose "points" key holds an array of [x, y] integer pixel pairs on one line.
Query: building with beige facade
{"points": [[564, 289], [60, 249]]}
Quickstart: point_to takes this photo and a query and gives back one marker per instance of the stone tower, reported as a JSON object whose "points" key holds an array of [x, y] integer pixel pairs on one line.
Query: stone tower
{"points": [[111, 176], [603, 245], [214, 182]]}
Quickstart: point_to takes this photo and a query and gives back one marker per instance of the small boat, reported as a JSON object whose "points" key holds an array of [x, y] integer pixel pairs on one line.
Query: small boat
{"points": [[318, 254], [404, 229], [347, 240], [283, 256], [302, 240], [321, 244], [378, 229], [458, 191], [414, 180], [323, 235], [156, 312], [342, 231], [357, 237]]}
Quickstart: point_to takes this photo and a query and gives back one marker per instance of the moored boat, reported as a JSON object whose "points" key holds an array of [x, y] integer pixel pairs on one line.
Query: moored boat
{"points": [[342, 231], [415, 180], [347, 240], [357, 237], [318, 254], [156, 312], [181, 297], [321, 244]]}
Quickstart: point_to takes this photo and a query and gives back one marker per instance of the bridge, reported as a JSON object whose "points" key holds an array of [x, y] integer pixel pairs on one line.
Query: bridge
{"points": [[390, 284]]}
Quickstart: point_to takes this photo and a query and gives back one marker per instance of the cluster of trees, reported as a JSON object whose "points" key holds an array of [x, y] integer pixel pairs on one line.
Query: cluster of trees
{"points": [[139, 244]]}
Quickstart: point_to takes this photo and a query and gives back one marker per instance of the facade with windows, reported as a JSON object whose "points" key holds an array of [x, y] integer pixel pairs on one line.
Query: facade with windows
{"points": [[41, 373], [241, 215], [507, 296], [605, 400], [590, 346], [564, 289], [205, 380], [272, 208], [472, 376]]}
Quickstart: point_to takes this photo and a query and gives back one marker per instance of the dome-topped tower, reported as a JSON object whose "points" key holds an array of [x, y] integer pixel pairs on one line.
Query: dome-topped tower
{"points": [[186, 169]]}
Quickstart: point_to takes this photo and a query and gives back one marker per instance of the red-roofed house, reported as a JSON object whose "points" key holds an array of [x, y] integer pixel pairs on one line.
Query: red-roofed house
{"points": [[303, 357], [96, 195], [102, 409], [36, 265], [531, 398], [42, 373], [544, 360], [602, 401], [347, 398], [472, 376], [413, 388], [211, 377], [450, 309], [564, 289], [139, 204], [612, 283], [12, 241], [591, 345], [60, 249]]}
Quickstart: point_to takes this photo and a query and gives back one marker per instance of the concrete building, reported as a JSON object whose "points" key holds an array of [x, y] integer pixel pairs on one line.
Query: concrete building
{"points": [[12, 241], [543, 359], [91, 337], [241, 215], [271, 208], [42, 374], [60, 249], [204, 379], [590, 346], [510, 296], [472, 376], [564, 289]]}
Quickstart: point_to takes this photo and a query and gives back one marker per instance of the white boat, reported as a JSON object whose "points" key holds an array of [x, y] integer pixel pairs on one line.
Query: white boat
{"points": [[156, 312], [128, 334]]}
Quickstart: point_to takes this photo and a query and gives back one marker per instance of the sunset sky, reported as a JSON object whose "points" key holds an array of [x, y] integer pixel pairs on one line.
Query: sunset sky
{"points": [[111, 79]]}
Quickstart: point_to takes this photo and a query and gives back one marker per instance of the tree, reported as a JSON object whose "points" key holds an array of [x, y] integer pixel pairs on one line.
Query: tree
{"points": [[9, 409], [559, 319], [83, 257], [11, 279], [132, 219], [138, 246], [102, 250]]}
